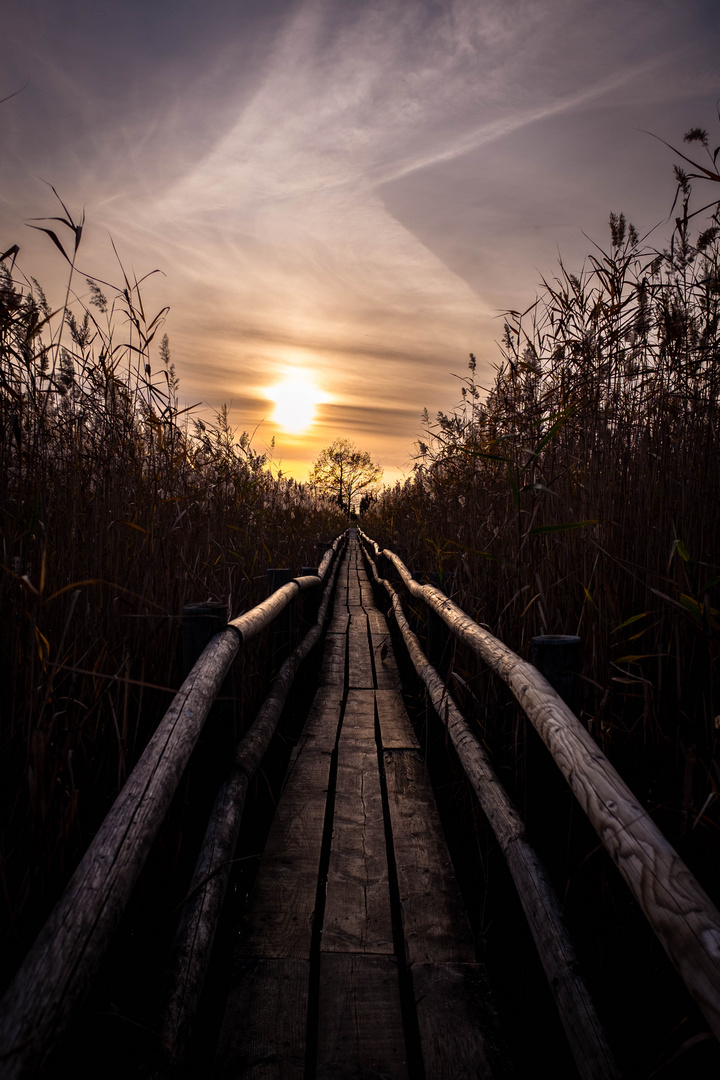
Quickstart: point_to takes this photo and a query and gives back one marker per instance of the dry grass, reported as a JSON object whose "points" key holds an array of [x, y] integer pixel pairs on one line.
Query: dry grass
{"points": [[117, 508], [579, 494]]}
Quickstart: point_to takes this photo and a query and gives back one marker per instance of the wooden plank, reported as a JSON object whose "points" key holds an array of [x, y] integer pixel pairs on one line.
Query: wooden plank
{"points": [[360, 1033], [459, 1033], [378, 623], [263, 1032], [396, 731], [387, 677], [282, 903], [322, 721], [332, 669], [357, 906], [359, 718], [435, 923], [360, 670]]}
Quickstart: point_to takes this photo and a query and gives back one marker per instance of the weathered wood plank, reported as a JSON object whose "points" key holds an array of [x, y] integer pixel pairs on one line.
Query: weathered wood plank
{"points": [[435, 923], [458, 1028], [360, 671], [263, 1033], [322, 721], [377, 622], [332, 670], [360, 1035], [359, 718], [357, 906], [396, 731], [386, 677], [282, 903], [67, 954]]}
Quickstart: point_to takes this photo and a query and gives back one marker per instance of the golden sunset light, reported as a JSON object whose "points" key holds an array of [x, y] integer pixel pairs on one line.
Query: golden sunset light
{"points": [[371, 185], [296, 399]]}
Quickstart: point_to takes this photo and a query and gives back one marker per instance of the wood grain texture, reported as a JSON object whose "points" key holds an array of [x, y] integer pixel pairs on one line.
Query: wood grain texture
{"points": [[357, 905], [360, 1034], [332, 670], [282, 903], [387, 677], [339, 622], [459, 1032], [377, 622], [195, 935], [360, 671], [680, 912], [435, 923], [263, 1033], [252, 622], [322, 721], [359, 718], [396, 732]]}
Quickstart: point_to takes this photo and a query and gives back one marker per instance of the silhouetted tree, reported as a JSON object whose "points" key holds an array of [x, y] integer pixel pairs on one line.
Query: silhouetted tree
{"points": [[345, 471]]}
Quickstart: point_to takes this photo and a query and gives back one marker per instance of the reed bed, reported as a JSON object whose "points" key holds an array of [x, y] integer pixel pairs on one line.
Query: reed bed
{"points": [[578, 494], [117, 507]]}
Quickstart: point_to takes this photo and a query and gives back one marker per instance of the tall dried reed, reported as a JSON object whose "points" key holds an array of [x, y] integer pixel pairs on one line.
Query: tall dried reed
{"points": [[116, 508], [578, 494]]}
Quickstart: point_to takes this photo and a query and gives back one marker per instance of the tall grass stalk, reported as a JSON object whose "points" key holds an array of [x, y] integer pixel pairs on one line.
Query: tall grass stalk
{"points": [[578, 494], [117, 507]]}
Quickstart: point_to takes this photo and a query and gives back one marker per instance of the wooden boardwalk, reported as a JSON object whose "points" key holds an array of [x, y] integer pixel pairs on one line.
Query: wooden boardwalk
{"points": [[356, 958]]}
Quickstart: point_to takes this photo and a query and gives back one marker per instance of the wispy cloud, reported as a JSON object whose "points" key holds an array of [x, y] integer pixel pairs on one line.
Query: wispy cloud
{"points": [[347, 189]]}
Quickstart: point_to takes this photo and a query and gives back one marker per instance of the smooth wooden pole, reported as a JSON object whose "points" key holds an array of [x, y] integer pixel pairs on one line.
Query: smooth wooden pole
{"points": [[680, 912], [583, 1029], [57, 972]]}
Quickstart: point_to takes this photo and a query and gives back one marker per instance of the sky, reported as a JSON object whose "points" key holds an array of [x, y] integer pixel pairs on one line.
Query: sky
{"points": [[343, 197]]}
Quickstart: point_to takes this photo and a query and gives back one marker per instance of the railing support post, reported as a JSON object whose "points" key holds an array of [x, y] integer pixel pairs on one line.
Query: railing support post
{"points": [[282, 627], [558, 658], [213, 753], [310, 602], [200, 624]]}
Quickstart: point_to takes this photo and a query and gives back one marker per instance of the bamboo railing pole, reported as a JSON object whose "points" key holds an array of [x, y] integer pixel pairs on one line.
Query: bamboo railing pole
{"points": [[67, 954], [195, 936], [59, 968], [681, 914], [583, 1029]]}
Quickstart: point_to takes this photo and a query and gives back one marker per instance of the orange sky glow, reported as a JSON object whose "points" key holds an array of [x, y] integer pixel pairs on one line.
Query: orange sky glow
{"points": [[343, 199]]}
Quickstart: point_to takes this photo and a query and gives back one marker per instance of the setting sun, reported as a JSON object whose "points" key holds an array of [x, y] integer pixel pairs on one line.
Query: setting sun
{"points": [[295, 402]]}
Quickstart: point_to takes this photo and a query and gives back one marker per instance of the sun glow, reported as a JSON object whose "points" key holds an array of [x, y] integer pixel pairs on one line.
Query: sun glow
{"points": [[296, 399]]}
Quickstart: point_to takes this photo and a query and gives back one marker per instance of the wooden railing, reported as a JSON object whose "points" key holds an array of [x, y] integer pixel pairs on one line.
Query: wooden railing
{"points": [[679, 911], [58, 970]]}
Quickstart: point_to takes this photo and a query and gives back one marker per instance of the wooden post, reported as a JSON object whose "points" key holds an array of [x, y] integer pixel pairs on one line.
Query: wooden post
{"points": [[200, 623], [282, 626], [309, 602], [215, 746]]}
